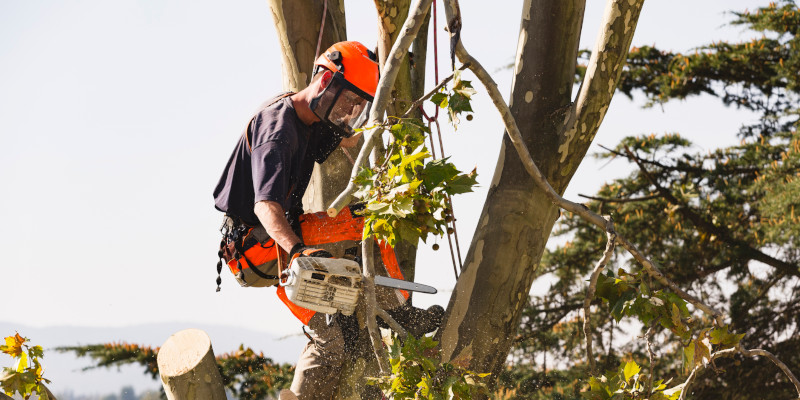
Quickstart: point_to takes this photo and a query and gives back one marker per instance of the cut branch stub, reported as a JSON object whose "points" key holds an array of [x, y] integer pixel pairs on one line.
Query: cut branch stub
{"points": [[188, 368]]}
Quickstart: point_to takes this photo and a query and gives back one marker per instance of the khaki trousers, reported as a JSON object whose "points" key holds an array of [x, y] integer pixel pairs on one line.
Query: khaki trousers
{"points": [[320, 365]]}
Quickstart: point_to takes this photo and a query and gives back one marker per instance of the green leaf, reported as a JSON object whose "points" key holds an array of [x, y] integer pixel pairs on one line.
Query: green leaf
{"points": [[22, 364], [676, 317], [36, 352], [378, 208], [722, 337], [414, 158], [631, 369], [440, 99], [688, 357], [462, 183], [439, 171], [459, 103]]}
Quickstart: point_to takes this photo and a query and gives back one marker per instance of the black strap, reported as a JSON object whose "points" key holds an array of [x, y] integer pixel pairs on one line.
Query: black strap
{"points": [[247, 131], [255, 270]]}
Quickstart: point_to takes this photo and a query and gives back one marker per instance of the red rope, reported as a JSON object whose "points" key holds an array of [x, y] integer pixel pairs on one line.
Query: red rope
{"points": [[321, 28], [435, 120]]}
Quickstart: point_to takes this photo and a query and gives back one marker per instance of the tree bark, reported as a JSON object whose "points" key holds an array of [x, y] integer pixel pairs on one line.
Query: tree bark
{"points": [[188, 368], [298, 24], [484, 311]]}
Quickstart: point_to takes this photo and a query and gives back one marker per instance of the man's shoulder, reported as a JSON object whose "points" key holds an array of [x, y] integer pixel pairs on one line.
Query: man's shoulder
{"points": [[279, 104], [276, 121]]}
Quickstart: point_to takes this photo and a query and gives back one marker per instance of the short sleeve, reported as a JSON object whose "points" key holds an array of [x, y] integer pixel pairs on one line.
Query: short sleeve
{"points": [[271, 162]]}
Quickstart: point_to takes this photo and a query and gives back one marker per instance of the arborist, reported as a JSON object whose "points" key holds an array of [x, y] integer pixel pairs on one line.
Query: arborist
{"points": [[261, 192]]}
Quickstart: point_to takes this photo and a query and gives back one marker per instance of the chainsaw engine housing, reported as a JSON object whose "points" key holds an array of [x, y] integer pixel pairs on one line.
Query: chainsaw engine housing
{"points": [[324, 285]]}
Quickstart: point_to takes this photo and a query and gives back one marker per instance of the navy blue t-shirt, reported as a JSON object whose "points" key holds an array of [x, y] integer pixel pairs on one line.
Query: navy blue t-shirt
{"points": [[273, 161]]}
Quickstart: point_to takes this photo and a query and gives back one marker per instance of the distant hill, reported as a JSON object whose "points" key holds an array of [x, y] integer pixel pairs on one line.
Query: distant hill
{"points": [[65, 369]]}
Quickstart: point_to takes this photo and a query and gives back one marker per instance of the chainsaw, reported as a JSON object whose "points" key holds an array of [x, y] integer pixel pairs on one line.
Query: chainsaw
{"points": [[331, 285]]}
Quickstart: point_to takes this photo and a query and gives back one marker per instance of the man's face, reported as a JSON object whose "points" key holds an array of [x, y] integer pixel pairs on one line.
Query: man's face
{"points": [[340, 104]]}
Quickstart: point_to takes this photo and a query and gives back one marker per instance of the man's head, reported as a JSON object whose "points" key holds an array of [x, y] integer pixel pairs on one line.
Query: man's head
{"points": [[348, 76]]}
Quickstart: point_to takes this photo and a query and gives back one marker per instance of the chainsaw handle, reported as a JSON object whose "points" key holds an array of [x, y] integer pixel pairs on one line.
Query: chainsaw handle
{"points": [[287, 277]]}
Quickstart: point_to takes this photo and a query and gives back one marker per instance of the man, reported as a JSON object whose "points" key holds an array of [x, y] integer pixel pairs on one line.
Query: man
{"points": [[266, 177]]}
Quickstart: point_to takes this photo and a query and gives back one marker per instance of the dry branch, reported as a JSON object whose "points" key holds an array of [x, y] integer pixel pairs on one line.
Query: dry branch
{"points": [[394, 325], [747, 353], [433, 91], [587, 301]]}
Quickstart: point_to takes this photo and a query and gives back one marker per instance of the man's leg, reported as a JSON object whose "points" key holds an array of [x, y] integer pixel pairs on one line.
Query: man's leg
{"points": [[319, 367]]}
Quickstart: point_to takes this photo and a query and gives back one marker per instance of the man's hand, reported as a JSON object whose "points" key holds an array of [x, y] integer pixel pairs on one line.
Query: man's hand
{"points": [[300, 250]]}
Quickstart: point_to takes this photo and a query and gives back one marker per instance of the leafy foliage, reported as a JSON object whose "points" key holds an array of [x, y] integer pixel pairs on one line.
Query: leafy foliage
{"points": [[25, 377], [417, 374], [628, 383], [456, 100], [247, 374], [408, 196]]}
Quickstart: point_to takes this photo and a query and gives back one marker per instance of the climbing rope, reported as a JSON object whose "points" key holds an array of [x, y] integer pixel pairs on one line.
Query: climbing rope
{"points": [[321, 28], [434, 120]]}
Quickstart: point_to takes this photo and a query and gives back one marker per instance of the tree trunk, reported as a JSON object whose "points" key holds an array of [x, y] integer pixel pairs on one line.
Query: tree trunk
{"points": [[298, 24], [484, 312], [485, 309], [188, 368]]}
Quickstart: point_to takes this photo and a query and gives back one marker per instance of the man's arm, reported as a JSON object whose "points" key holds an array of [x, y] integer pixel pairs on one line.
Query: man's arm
{"points": [[271, 216]]}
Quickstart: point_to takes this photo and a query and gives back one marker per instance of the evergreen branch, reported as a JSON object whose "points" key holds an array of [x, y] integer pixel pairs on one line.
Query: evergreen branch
{"points": [[709, 227]]}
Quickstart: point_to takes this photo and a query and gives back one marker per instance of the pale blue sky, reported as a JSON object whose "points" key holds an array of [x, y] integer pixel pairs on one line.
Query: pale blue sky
{"points": [[117, 117]]}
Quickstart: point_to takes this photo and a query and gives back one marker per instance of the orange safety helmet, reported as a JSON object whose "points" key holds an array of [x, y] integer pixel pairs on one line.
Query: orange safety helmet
{"points": [[345, 102], [355, 61]]}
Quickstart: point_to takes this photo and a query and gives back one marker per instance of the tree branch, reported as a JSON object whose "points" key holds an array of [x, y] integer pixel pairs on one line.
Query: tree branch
{"points": [[410, 28], [432, 92], [747, 353], [587, 301], [368, 272], [602, 74], [392, 323], [626, 200]]}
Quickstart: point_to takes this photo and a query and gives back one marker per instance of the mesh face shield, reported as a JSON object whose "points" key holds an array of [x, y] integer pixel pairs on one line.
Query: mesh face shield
{"points": [[342, 105]]}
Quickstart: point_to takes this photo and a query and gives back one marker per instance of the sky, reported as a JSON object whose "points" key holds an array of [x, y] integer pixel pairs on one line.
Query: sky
{"points": [[117, 118]]}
